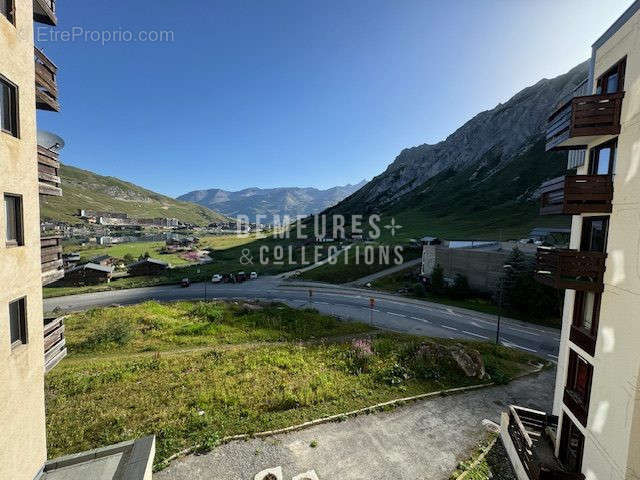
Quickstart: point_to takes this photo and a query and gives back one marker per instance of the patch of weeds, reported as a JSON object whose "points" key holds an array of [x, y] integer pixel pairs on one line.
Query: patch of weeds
{"points": [[313, 444]]}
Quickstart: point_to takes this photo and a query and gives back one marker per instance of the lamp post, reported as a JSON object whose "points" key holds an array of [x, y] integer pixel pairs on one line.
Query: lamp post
{"points": [[506, 268]]}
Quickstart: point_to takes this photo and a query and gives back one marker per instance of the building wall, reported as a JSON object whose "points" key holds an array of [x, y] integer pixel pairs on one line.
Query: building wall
{"points": [[612, 436], [22, 421]]}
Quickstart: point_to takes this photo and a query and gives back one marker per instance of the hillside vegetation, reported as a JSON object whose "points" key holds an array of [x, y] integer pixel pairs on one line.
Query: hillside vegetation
{"points": [[83, 189]]}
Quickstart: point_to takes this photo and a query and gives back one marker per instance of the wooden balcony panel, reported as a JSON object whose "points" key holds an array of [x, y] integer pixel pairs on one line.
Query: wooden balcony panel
{"points": [[55, 345], [583, 119], [51, 259], [44, 11], [46, 83], [570, 269], [576, 194]]}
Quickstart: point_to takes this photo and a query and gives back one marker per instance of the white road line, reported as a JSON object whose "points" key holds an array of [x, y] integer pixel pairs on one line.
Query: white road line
{"points": [[510, 344], [421, 320], [451, 312], [373, 309], [475, 334], [450, 328], [552, 356], [523, 331], [395, 314]]}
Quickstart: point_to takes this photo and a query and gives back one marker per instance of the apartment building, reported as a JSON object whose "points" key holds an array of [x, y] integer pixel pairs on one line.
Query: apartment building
{"points": [[30, 344], [594, 429]]}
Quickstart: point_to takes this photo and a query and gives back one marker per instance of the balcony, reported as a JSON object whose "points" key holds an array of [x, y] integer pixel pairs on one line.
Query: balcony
{"points": [[44, 11], [528, 437], [577, 194], [570, 269], [582, 120], [54, 342], [48, 172], [46, 84], [51, 258]]}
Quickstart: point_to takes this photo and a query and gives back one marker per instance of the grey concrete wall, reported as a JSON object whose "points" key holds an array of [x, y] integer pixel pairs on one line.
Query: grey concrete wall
{"points": [[483, 268]]}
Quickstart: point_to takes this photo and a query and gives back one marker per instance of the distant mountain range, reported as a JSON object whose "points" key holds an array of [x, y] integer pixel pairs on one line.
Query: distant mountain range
{"points": [[282, 201], [82, 189], [482, 180]]}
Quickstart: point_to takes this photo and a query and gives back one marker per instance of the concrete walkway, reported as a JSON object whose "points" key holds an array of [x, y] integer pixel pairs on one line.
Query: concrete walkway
{"points": [[423, 440], [388, 271]]}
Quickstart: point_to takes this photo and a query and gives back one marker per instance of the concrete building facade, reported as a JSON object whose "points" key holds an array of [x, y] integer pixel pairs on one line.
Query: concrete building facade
{"points": [[594, 429]]}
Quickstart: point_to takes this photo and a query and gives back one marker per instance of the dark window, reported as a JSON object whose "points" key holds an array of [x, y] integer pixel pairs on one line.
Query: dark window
{"points": [[586, 311], [612, 81], [18, 322], [602, 158], [7, 9], [584, 327], [8, 107], [594, 234], [13, 215], [571, 445], [579, 379]]}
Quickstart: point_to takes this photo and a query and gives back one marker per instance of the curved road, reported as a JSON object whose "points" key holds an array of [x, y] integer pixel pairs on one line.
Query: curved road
{"points": [[390, 312]]}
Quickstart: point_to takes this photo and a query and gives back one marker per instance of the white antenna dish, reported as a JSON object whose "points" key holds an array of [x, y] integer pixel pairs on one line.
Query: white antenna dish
{"points": [[50, 141]]}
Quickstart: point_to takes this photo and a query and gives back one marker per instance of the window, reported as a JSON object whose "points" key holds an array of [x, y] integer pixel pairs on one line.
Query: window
{"points": [[13, 214], [571, 445], [8, 107], [7, 9], [18, 322], [577, 392], [602, 158], [612, 81], [594, 234], [584, 328]]}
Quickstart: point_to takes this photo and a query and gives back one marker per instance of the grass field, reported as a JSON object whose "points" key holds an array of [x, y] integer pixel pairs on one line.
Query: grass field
{"points": [[191, 372], [231, 254], [135, 249], [352, 265]]}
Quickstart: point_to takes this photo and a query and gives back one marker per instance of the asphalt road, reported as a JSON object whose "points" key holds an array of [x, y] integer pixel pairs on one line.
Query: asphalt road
{"points": [[389, 312]]}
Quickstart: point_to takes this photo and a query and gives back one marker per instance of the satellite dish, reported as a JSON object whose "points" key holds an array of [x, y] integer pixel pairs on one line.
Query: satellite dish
{"points": [[50, 141]]}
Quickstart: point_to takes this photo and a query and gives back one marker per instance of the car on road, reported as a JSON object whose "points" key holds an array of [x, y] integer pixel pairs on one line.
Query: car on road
{"points": [[241, 277], [185, 283], [253, 275], [217, 278]]}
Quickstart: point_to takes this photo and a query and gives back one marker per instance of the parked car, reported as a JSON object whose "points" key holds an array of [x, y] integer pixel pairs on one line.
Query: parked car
{"points": [[217, 278], [253, 275], [185, 283], [241, 277]]}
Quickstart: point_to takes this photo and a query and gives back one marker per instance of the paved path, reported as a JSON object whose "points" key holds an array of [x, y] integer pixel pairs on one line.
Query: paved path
{"points": [[391, 312], [423, 440], [388, 271]]}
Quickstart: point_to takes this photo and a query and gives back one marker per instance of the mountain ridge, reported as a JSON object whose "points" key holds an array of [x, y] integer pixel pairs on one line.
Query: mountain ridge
{"points": [[281, 201], [84, 189]]}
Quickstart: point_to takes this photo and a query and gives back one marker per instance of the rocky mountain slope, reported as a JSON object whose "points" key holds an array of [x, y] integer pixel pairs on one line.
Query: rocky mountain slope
{"points": [[270, 201], [88, 190], [493, 163]]}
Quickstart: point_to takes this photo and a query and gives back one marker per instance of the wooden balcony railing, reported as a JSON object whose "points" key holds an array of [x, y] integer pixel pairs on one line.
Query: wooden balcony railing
{"points": [[54, 342], [46, 83], [583, 119], [577, 194], [49, 172], [527, 431], [44, 11], [570, 269], [51, 259]]}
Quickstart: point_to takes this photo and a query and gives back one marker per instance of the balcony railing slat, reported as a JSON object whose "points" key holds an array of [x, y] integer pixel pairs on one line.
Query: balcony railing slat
{"points": [[570, 269]]}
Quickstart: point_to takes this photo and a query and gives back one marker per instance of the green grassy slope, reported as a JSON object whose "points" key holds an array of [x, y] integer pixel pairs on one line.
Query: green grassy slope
{"points": [[85, 189]]}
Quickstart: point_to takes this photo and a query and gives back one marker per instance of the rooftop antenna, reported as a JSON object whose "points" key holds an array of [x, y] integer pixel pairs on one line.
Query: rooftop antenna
{"points": [[50, 141]]}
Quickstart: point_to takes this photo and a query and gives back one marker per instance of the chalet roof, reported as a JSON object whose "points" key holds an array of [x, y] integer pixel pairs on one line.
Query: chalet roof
{"points": [[154, 261], [100, 258], [92, 266]]}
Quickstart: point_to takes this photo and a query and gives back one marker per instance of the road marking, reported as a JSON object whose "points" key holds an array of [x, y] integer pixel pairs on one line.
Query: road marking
{"points": [[510, 344], [552, 356], [475, 334], [451, 312], [373, 309], [450, 328], [523, 331], [421, 320], [396, 314]]}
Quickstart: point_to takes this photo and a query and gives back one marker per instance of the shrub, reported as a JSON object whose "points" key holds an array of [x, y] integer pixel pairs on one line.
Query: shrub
{"points": [[419, 290], [358, 357], [461, 289], [438, 285]]}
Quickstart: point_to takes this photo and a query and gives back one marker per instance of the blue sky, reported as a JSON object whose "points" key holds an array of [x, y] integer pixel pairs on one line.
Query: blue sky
{"points": [[295, 93]]}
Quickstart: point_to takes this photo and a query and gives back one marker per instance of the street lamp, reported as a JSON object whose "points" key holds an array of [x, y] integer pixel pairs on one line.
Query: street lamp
{"points": [[506, 268]]}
